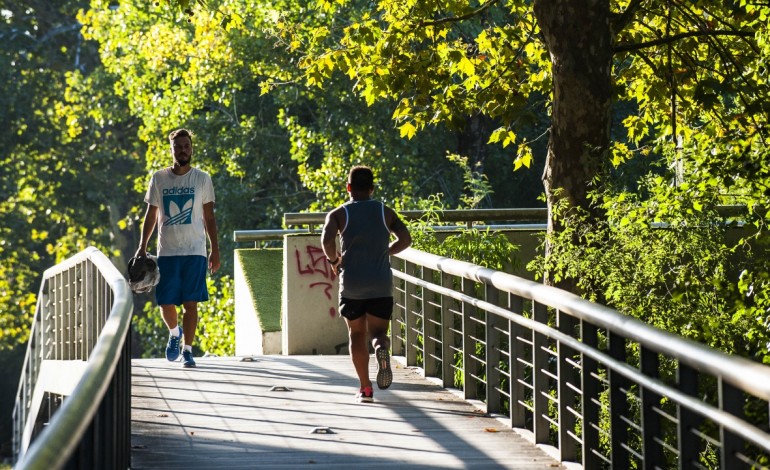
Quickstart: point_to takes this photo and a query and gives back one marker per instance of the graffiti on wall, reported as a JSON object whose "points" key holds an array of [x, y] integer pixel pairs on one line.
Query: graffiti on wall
{"points": [[312, 264]]}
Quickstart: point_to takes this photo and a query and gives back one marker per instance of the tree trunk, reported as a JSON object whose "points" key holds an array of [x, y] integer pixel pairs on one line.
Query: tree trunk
{"points": [[578, 37]]}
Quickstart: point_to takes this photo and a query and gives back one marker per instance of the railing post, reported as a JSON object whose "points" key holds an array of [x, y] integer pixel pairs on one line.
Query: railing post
{"points": [[399, 312], [447, 334], [494, 341], [687, 377], [592, 389], [618, 405], [650, 419], [431, 326], [569, 382], [540, 364], [470, 383], [518, 371], [731, 400], [411, 307]]}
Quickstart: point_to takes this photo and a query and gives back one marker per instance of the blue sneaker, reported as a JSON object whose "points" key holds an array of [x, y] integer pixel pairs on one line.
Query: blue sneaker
{"points": [[172, 348], [187, 360]]}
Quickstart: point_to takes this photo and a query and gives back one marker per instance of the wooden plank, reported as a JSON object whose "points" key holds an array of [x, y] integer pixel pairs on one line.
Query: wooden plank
{"points": [[227, 414]]}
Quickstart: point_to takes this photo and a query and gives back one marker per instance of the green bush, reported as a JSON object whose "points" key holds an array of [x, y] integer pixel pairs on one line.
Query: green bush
{"points": [[669, 269]]}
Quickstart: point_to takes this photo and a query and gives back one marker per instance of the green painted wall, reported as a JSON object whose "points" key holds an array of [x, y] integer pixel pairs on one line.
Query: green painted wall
{"points": [[263, 271]]}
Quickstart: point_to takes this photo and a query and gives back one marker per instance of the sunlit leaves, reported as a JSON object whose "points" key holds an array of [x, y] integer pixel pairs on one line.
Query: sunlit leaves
{"points": [[407, 130], [523, 157]]}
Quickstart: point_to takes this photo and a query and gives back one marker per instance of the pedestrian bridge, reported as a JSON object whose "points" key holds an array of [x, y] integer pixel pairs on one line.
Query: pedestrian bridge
{"points": [[496, 371]]}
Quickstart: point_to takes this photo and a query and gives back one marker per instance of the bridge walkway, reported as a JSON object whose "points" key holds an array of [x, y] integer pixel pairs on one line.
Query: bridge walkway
{"points": [[299, 411]]}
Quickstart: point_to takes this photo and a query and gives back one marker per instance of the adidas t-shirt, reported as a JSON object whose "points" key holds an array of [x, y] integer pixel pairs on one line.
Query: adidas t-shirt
{"points": [[180, 200]]}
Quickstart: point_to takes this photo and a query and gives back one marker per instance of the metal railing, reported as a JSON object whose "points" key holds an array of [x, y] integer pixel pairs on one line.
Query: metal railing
{"points": [[526, 219], [606, 390], [73, 407], [468, 216]]}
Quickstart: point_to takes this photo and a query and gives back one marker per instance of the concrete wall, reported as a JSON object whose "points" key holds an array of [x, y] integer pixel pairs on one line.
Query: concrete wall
{"points": [[309, 317], [256, 331]]}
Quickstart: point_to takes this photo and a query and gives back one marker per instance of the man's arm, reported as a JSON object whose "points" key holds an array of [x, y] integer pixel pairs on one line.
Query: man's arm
{"points": [[329, 238], [399, 229], [210, 223], [148, 226]]}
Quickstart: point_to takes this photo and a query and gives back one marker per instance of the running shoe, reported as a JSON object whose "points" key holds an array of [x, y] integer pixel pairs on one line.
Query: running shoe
{"points": [[172, 348], [187, 361], [365, 395], [384, 374]]}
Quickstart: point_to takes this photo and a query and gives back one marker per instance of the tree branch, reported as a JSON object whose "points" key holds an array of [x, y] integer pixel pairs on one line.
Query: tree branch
{"points": [[452, 19], [677, 37], [619, 22]]}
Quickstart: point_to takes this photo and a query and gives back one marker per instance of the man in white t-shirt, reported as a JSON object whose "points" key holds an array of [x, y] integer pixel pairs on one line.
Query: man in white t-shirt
{"points": [[180, 201]]}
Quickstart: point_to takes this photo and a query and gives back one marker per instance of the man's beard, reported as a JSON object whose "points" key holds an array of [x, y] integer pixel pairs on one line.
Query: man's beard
{"points": [[181, 162]]}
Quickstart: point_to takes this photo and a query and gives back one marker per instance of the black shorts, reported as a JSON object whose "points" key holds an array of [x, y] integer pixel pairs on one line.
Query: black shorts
{"points": [[380, 307]]}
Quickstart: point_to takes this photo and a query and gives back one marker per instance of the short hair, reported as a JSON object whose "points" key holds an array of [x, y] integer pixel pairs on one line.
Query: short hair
{"points": [[180, 133], [361, 178]]}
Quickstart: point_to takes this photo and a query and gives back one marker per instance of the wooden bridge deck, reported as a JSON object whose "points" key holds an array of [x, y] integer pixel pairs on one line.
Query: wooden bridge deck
{"points": [[298, 411]]}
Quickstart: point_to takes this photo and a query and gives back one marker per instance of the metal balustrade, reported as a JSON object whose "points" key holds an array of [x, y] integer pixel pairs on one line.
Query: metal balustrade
{"points": [[606, 390], [73, 407]]}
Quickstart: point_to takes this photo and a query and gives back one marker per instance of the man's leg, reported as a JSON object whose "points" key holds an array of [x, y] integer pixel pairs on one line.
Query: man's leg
{"points": [[359, 349], [170, 316], [190, 322], [171, 319], [378, 327]]}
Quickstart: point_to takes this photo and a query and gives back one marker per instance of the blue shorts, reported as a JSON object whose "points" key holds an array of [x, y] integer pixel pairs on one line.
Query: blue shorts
{"points": [[182, 279]]}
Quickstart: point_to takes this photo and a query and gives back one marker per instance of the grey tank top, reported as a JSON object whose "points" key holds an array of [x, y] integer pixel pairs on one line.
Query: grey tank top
{"points": [[364, 245]]}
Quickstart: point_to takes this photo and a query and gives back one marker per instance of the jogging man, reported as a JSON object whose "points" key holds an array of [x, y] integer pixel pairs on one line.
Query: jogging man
{"points": [[364, 226]]}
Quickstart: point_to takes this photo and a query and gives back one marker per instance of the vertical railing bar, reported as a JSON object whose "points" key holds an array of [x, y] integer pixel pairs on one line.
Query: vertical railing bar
{"points": [[410, 335], [650, 419], [517, 352], [68, 313], [687, 379], [618, 405], [55, 318], [81, 321], [568, 375], [493, 358], [431, 330], [541, 388], [399, 307], [447, 335], [591, 391], [731, 400], [470, 383]]}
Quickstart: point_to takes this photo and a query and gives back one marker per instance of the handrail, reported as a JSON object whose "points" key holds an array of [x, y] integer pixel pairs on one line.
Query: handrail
{"points": [[537, 215], [245, 236], [528, 214], [553, 356], [86, 274]]}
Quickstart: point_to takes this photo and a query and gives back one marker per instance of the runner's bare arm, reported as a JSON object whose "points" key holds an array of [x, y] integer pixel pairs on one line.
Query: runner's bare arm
{"points": [[398, 228]]}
